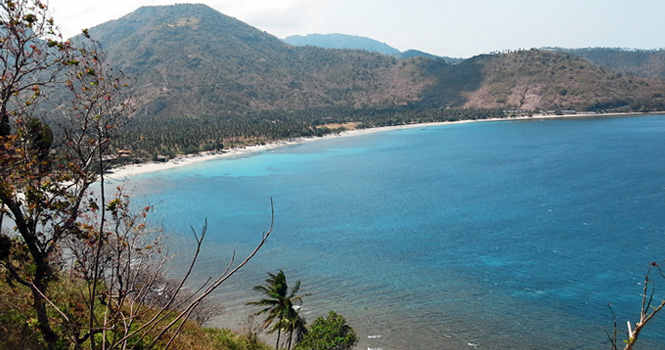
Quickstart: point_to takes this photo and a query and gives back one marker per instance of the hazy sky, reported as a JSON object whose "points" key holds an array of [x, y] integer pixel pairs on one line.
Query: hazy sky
{"points": [[457, 28]]}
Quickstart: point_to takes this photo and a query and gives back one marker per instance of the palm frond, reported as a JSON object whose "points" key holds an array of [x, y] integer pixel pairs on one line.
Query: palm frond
{"points": [[279, 309]]}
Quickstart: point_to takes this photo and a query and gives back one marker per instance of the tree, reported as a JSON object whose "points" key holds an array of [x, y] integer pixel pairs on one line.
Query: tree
{"points": [[32, 54], [41, 201], [647, 312], [279, 306], [51, 152], [330, 333], [294, 325]]}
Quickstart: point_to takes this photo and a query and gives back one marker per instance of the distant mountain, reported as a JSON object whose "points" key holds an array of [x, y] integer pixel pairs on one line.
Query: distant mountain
{"points": [[643, 63], [190, 61], [341, 41], [416, 53]]}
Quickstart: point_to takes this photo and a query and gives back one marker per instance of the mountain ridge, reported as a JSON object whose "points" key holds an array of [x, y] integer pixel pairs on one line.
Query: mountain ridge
{"points": [[350, 42], [192, 64], [341, 41], [642, 63], [226, 66]]}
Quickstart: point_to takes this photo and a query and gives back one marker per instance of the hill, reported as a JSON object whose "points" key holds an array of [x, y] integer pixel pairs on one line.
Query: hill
{"points": [[351, 42], [642, 63], [341, 41], [542, 80], [190, 60], [203, 78], [417, 53]]}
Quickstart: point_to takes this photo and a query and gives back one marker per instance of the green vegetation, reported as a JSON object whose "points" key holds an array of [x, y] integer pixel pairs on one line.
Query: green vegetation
{"points": [[279, 308], [18, 329], [148, 137], [330, 333]]}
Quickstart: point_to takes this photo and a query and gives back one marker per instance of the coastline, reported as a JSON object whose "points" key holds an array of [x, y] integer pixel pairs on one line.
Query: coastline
{"points": [[128, 171]]}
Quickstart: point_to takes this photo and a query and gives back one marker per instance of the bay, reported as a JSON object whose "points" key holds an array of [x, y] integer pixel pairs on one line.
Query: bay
{"points": [[490, 235]]}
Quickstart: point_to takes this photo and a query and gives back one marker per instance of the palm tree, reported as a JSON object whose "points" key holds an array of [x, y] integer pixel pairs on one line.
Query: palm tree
{"points": [[279, 306], [294, 325]]}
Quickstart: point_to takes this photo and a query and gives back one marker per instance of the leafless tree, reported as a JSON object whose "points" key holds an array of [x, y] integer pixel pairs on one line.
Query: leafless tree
{"points": [[648, 311]]}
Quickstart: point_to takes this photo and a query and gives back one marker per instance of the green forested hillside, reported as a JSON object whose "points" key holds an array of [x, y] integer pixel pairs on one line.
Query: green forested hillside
{"points": [[203, 79]]}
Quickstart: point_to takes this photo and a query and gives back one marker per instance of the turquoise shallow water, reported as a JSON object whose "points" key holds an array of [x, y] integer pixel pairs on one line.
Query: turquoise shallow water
{"points": [[493, 235]]}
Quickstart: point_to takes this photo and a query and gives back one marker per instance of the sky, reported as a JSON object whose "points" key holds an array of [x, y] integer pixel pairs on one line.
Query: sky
{"points": [[454, 28]]}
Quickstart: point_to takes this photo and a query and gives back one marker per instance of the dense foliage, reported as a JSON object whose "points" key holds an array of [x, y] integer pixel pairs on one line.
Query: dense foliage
{"points": [[330, 333], [149, 136]]}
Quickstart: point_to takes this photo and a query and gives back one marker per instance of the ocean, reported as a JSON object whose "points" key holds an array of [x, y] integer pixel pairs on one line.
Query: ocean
{"points": [[512, 234]]}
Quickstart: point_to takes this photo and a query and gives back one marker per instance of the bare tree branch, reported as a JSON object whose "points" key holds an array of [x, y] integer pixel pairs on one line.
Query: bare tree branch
{"points": [[647, 311]]}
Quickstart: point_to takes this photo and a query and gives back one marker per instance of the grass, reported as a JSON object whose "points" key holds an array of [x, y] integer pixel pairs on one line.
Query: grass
{"points": [[18, 328]]}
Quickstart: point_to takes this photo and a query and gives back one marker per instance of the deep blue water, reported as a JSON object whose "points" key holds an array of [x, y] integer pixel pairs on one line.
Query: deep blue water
{"points": [[508, 235]]}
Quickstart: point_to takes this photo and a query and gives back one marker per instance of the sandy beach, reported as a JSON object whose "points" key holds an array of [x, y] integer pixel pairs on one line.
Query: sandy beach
{"points": [[128, 171]]}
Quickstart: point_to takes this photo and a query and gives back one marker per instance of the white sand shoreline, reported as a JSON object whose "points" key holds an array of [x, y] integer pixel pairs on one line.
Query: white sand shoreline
{"points": [[132, 170]]}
